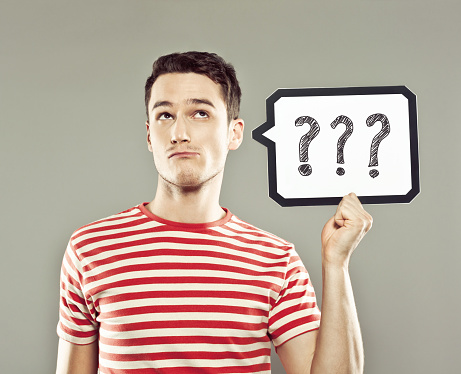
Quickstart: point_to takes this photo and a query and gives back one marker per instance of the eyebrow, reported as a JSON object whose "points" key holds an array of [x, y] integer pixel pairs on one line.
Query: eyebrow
{"points": [[200, 101], [188, 101], [162, 103]]}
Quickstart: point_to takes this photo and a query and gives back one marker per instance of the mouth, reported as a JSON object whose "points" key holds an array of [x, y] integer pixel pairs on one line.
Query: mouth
{"points": [[183, 155]]}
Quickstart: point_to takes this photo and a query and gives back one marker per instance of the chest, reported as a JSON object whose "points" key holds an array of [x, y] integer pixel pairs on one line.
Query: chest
{"points": [[160, 288]]}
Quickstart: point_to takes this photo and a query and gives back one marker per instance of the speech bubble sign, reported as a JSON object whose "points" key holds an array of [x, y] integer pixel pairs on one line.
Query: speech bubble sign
{"points": [[324, 143]]}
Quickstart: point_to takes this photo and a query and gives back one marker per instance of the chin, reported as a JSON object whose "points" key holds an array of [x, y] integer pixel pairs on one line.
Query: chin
{"points": [[184, 180], [189, 183], [189, 180]]}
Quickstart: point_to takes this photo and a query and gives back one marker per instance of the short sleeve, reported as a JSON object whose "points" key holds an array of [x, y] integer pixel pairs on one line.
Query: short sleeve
{"points": [[295, 311], [77, 315]]}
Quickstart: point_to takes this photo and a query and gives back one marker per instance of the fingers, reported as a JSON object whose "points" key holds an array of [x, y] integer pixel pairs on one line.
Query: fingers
{"points": [[350, 211]]}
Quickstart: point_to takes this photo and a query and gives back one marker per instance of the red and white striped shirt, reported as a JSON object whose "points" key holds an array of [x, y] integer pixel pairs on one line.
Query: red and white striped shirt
{"points": [[170, 297]]}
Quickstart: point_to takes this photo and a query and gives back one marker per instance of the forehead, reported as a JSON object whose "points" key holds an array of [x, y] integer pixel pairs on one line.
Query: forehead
{"points": [[181, 87]]}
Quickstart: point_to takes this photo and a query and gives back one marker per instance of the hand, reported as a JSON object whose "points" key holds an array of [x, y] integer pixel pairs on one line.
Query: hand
{"points": [[344, 231]]}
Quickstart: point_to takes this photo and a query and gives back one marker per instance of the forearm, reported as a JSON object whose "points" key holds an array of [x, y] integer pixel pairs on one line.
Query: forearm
{"points": [[77, 359], [339, 344]]}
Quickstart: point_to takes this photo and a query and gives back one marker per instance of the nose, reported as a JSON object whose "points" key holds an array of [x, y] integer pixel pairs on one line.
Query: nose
{"points": [[179, 131]]}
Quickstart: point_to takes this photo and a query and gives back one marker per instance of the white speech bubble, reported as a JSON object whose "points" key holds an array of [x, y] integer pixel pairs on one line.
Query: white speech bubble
{"points": [[310, 122]]}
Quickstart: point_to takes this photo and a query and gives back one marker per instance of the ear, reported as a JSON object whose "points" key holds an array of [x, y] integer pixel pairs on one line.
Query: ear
{"points": [[149, 145], [235, 133]]}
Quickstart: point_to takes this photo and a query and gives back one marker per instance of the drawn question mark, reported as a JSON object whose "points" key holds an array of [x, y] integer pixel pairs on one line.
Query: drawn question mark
{"points": [[385, 130], [306, 169], [342, 140]]}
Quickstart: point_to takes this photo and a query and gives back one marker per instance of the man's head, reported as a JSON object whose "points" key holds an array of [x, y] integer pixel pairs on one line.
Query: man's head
{"points": [[209, 64], [191, 101]]}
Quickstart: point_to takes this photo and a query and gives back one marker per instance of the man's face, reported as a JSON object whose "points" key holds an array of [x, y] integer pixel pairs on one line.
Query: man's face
{"points": [[187, 131]]}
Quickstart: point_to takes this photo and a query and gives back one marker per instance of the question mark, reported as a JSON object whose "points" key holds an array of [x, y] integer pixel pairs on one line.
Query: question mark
{"points": [[304, 142], [342, 140], [385, 130]]}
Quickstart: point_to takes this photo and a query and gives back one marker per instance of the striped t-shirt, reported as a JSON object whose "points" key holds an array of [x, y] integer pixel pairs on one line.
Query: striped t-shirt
{"points": [[169, 297]]}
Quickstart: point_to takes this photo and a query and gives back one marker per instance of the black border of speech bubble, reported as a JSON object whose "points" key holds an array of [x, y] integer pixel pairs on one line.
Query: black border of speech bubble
{"points": [[258, 132]]}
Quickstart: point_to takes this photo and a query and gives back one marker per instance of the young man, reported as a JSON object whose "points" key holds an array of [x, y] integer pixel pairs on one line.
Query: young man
{"points": [[180, 285]]}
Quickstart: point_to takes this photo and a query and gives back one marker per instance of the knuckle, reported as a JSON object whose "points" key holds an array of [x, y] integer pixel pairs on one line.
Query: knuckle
{"points": [[369, 223]]}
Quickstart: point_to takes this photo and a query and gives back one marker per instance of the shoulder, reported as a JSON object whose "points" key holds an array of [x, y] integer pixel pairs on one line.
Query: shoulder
{"points": [[244, 226], [258, 236], [107, 227]]}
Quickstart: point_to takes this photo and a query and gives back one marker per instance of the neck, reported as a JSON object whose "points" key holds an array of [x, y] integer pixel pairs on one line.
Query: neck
{"points": [[197, 204]]}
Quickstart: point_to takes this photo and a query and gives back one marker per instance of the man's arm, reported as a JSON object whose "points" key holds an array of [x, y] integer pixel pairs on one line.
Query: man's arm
{"points": [[77, 359], [337, 347]]}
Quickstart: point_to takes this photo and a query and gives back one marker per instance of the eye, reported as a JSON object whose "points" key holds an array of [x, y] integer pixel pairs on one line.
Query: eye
{"points": [[201, 114], [165, 116]]}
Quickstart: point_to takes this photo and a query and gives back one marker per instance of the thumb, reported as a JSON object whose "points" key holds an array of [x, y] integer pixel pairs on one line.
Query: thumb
{"points": [[329, 228]]}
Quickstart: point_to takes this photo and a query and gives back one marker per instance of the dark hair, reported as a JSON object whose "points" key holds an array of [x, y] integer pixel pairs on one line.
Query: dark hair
{"points": [[208, 64]]}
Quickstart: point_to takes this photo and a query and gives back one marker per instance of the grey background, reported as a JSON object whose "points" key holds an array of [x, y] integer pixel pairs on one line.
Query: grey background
{"points": [[73, 149]]}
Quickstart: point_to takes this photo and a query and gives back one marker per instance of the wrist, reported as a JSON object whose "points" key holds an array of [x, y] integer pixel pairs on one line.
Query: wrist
{"points": [[335, 262], [335, 277]]}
